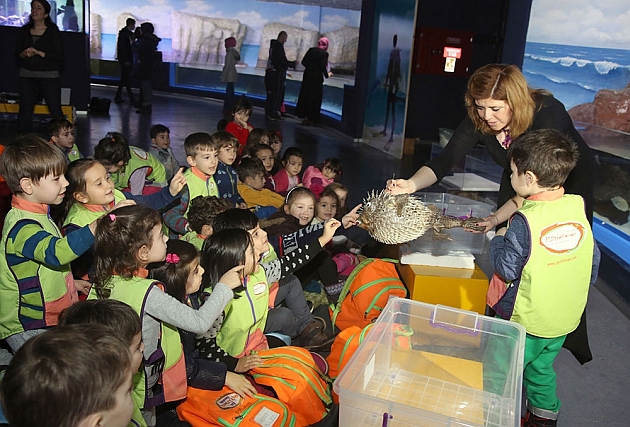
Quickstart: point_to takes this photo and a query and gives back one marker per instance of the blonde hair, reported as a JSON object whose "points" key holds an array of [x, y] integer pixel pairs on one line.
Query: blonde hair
{"points": [[502, 82]]}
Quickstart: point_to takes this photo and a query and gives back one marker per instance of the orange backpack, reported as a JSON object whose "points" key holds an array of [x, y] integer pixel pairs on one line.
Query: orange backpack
{"points": [[297, 381], [366, 292], [226, 408]]}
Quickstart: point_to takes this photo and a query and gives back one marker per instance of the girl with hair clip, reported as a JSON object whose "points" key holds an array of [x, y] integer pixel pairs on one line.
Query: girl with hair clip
{"points": [[126, 242], [319, 176], [182, 274], [289, 175]]}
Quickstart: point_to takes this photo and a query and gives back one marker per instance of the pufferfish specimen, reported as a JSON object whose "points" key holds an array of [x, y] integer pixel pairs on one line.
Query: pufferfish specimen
{"points": [[401, 218]]}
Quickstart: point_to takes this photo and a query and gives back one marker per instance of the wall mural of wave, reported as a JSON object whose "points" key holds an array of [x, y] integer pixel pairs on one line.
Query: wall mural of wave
{"points": [[574, 74]]}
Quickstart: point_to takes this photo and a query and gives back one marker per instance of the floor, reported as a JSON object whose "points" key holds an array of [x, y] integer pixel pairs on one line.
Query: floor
{"points": [[594, 394]]}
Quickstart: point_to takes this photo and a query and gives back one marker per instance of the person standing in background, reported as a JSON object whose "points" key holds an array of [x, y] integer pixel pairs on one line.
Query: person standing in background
{"points": [[148, 60], [311, 92], [124, 55], [40, 51], [276, 76], [229, 74]]}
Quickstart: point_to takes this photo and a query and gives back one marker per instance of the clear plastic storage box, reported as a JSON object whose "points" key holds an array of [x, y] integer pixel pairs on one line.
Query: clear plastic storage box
{"points": [[434, 366], [461, 242]]}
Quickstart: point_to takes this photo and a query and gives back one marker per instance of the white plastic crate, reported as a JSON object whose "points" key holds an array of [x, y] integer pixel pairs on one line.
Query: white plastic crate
{"points": [[434, 366]]}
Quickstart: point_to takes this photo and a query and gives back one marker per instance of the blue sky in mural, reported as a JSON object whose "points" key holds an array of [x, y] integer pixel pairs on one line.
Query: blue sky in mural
{"points": [[575, 48], [254, 14]]}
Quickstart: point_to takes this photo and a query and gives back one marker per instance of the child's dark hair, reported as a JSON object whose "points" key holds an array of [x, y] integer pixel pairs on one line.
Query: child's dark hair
{"points": [[275, 136], [199, 141], [296, 193], [546, 153], [64, 375], [255, 136], [75, 174], [329, 192], [115, 314], [56, 126], [112, 149], [242, 104], [334, 164], [117, 240], [225, 139], [30, 157], [174, 272], [341, 210], [243, 219], [204, 210], [157, 129], [222, 124], [250, 167], [291, 151], [223, 251], [255, 149]]}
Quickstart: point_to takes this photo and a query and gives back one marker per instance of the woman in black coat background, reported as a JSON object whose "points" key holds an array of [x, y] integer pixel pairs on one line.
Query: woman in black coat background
{"points": [[311, 92], [147, 60]]}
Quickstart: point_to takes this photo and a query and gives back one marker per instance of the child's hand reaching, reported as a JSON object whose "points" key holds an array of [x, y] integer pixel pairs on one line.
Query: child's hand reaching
{"points": [[177, 183], [239, 384], [246, 363], [351, 217], [233, 277], [330, 226]]}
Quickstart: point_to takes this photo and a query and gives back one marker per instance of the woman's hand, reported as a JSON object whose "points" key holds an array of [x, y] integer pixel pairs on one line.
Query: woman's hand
{"points": [[330, 226], [239, 384], [400, 186], [351, 217], [177, 183], [82, 286], [246, 363], [232, 277]]}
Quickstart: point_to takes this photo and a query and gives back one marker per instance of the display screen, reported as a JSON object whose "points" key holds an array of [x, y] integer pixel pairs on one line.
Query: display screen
{"points": [[67, 14]]}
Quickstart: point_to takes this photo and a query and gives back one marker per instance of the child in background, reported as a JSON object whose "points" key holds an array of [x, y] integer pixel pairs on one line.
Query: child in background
{"points": [[257, 136], [121, 319], [182, 275], [289, 176], [61, 135], [202, 156], [161, 149], [326, 206], [342, 193], [239, 126], [251, 172], [126, 242], [35, 278], [275, 142], [226, 177], [265, 154], [544, 262], [317, 177], [132, 169], [201, 216], [222, 124], [70, 376], [229, 74], [91, 194]]}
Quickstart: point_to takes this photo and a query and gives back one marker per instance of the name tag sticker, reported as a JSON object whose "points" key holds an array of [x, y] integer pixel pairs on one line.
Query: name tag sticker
{"points": [[266, 417]]}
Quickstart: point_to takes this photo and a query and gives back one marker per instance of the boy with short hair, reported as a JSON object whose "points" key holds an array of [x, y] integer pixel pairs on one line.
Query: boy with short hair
{"points": [[36, 281], [201, 216], [70, 376], [202, 156], [226, 176], [251, 172], [120, 318], [161, 149], [544, 263], [61, 135], [131, 168]]}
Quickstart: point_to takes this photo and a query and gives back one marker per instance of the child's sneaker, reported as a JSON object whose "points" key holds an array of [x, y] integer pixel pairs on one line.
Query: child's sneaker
{"points": [[335, 288], [531, 420]]}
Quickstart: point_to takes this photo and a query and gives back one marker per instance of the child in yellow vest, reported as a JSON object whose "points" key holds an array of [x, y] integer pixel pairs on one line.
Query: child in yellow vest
{"points": [[126, 242], [201, 216], [544, 262], [202, 156]]}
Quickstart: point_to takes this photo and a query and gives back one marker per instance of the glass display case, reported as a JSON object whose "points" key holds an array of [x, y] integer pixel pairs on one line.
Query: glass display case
{"points": [[67, 14]]}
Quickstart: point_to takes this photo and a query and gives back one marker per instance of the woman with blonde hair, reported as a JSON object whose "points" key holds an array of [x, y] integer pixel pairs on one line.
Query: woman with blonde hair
{"points": [[501, 106]]}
